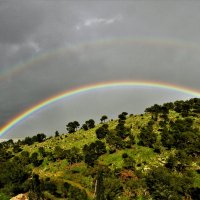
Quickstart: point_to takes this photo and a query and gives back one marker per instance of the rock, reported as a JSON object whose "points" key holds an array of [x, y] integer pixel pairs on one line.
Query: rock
{"points": [[20, 197]]}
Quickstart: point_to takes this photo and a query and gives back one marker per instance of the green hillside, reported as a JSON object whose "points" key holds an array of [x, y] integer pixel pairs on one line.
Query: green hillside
{"points": [[155, 155]]}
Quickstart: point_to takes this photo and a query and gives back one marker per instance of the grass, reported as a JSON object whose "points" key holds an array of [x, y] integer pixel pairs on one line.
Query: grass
{"points": [[4, 197]]}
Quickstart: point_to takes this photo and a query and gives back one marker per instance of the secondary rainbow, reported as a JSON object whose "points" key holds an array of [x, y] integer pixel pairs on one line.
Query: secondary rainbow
{"points": [[15, 121], [163, 42]]}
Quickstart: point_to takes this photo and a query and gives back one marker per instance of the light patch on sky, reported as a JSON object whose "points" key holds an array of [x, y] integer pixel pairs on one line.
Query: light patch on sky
{"points": [[34, 45], [98, 21]]}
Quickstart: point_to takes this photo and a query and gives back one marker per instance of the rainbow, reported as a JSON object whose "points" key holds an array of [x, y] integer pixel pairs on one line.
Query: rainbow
{"points": [[95, 44], [160, 85]]}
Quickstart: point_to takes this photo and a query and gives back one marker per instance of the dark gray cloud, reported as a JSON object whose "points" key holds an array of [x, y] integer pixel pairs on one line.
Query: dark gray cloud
{"points": [[163, 45], [19, 20]]}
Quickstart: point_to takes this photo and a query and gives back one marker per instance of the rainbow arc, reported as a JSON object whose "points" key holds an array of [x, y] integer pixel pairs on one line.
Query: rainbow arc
{"points": [[47, 102]]}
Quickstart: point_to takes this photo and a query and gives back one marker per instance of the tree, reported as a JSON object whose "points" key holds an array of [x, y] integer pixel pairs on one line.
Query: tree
{"points": [[50, 186], [5, 155], [171, 162], [121, 130], [99, 189], [73, 155], [40, 137], [72, 126], [17, 148], [147, 138], [115, 141], [101, 132], [167, 139], [103, 118], [195, 193], [57, 134], [28, 141], [128, 162], [42, 151], [113, 188], [59, 153], [35, 190], [90, 123], [93, 151], [25, 157], [154, 109], [34, 159], [84, 127], [162, 184], [76, 124], [74, 193], [13, 177], [122, 116]]}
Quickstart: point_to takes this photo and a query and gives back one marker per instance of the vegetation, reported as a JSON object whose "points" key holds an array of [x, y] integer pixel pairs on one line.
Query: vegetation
{"points": [[155, 155]]}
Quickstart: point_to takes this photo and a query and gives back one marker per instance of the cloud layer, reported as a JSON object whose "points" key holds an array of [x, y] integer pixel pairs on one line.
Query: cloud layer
{"points": [[93, 36]]}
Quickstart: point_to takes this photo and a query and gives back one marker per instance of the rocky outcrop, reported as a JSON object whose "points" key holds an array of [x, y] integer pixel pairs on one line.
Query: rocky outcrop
{"points": [[20, 197]]}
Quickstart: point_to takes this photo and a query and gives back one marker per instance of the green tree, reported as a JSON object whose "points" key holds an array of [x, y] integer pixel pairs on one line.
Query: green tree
{"points": [[121, 130], [35, 190], [40, 137], [100, 187], [34, 159], [25, 157], [147, 137], [162, 184], [103, 118], [72, 126], [28, 141], [122, 116], [42, 152], [102, 131], [75, 193], [73, 155], [93, 151], [13, 177], [113, 188], [128, 162], [59, 153], [17, 148], [85, 127], [76, 124], [57, 134], [90, 123]]}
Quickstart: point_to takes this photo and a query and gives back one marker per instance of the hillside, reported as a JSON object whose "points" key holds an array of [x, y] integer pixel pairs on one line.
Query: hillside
{"points": [[155, 155]]}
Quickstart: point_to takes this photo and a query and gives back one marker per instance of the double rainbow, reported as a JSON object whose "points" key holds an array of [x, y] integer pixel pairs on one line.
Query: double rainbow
{"points": [[160, 85]]}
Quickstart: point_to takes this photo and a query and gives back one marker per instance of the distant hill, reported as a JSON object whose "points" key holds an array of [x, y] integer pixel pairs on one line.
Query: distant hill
{"points": [[155, 155]]}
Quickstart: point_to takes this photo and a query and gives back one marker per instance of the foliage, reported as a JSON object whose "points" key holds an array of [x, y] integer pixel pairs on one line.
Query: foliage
{"points": [[147, 136], [162, 184], [57, 134], [103, 118], [72, 126], [102, 131], [155, 155], [13, 177], [90, 123], [93, 151]]}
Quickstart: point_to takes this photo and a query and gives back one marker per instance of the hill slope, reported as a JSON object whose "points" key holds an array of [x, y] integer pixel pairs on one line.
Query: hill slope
{"points": [[155, 155]]}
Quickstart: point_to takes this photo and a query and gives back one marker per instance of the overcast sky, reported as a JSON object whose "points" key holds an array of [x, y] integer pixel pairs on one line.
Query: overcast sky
{"points": [[48, 46]]}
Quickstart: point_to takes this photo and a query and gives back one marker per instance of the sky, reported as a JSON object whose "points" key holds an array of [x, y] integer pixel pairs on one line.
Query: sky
{"points": [[51, 46]]}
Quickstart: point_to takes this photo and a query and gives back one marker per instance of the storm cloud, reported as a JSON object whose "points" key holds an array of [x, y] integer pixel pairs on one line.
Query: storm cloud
{"points": [[65, 44]]}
